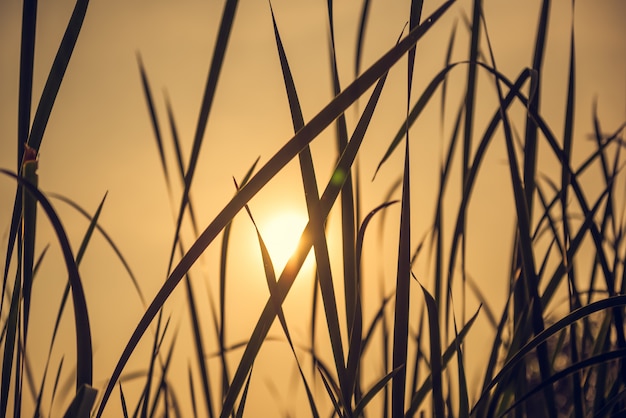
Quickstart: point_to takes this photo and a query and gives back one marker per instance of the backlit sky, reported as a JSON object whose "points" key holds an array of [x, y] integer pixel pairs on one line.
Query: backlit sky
{"points": [[99, 137]]}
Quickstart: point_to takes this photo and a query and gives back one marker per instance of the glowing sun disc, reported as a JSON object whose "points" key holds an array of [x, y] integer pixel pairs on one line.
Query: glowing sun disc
{"points": [[281, 234]]}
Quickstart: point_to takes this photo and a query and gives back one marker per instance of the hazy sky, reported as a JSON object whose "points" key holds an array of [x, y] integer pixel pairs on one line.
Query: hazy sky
{"points": [[99, 137]]}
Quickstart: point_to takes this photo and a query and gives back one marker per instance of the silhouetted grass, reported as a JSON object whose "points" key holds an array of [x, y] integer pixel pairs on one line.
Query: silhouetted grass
{"points": [[541, 361]]}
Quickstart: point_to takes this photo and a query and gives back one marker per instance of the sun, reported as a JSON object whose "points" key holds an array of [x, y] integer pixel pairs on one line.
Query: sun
{"points": [[281, 233]]}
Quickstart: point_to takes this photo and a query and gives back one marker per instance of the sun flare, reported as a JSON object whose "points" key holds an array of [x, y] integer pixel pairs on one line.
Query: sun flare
{"points": [[281, 233]]}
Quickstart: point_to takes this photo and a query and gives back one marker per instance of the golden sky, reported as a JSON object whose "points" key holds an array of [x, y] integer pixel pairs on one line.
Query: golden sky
{"points": [[99, 137]]}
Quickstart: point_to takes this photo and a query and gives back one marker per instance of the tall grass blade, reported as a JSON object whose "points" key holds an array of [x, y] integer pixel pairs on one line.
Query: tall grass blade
{"points": [[401, 309], [219, 52], [403, 278], [530, 140], [29, 227], [34, 136], [348, 221], [56, 74], [193, 312], [468, 128], [27, 59]]}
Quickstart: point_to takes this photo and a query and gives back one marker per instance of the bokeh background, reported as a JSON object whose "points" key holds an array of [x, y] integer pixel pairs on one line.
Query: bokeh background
{"points": [[99, 140]]}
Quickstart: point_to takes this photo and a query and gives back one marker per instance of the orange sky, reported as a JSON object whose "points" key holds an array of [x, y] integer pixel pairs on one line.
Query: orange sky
{"points": [[99, 137]]}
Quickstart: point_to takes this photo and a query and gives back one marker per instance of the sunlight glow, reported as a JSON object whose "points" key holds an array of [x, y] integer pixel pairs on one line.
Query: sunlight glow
{"points": [[281, 233]]}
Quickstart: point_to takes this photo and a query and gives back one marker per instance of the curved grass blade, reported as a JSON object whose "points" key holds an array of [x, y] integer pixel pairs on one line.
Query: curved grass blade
{"points": [[79, 255], [84, 366]]}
